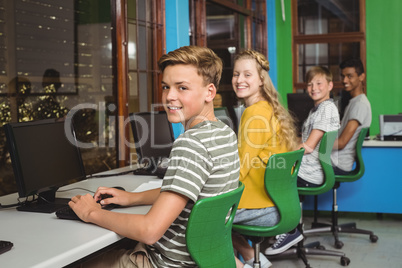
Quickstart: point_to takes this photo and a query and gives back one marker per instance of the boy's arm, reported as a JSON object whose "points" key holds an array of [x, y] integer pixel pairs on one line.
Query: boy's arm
{"points": [[346, 134], [312, 141], [126, 199], [147, 228]]}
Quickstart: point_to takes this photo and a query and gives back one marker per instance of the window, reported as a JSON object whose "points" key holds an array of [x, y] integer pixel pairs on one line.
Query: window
{"points": [[145, 46], [56, 58], [325, 33], [228, 27], [59, 57]]}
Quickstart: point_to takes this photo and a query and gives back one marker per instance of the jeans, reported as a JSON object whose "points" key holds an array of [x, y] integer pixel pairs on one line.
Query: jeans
{"points": [[257, 217]]}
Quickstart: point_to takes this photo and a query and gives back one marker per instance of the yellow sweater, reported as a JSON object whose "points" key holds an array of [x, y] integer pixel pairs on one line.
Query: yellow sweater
{"points": [[257, 141]]}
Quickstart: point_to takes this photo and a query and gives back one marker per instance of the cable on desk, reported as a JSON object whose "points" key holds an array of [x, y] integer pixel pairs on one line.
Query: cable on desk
{"points": [[16, 204], [10, 205], [75, 188], [109, 175]]}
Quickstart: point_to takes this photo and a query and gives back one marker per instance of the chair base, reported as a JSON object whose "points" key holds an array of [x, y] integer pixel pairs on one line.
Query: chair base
{"points": [[341, 228], [301, 251], [334, 227], [314, 248]]}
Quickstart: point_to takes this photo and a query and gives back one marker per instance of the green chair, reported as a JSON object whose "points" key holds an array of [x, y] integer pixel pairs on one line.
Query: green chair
{"points": [[209, 230], [314, 248], [325, 150], [354, 175], [281, 185]]}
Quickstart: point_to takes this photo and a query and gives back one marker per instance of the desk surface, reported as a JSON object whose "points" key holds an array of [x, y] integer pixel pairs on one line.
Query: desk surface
{"points": [[43, 240], [377, 143]]}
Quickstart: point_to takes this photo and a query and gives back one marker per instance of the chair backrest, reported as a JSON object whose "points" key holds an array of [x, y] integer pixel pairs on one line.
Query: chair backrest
{"points": [[222, 114], [281, 185], [324, 156], [209, 230], [153, 135], [237, 113], [359, 169]]}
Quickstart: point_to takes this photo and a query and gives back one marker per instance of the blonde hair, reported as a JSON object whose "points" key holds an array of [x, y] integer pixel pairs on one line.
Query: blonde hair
{"points": [[320, 70], [208, 64], [287, 132]]}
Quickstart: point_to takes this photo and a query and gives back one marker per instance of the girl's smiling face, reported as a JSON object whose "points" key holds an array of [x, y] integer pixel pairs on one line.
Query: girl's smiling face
{"points": [[246, 81]]}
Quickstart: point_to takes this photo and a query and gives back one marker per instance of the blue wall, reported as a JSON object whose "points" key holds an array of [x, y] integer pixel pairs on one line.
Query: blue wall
{"points": [[177, 34], [271, 28]]}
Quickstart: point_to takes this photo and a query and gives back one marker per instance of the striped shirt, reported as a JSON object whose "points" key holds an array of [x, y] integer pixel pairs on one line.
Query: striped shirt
{"points": [[204, 162], [324, 117]]}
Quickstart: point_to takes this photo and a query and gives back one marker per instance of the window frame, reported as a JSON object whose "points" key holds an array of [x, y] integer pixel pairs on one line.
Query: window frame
{"points": [[198, 21], [247, 21], [347, 37], [120, 21]]}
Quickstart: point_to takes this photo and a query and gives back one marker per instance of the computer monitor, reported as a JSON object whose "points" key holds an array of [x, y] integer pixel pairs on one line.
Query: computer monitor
{"points": [[390, 127], [299, 106], [153, 136], [44, 157]]}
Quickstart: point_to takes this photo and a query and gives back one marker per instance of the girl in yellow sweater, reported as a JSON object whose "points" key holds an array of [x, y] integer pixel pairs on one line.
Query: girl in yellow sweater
{"points": [[266, 128]]}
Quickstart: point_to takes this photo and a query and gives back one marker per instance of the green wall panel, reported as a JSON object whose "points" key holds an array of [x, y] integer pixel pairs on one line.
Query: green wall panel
{"points": [[384, 58], [284, 49]]}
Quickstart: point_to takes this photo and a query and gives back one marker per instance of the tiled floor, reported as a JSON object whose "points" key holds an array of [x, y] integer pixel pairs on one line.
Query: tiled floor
{"points": [[385, 253]]}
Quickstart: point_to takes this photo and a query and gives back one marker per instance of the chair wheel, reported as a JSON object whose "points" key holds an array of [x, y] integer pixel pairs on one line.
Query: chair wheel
{"points": [[345, 261], [338, 244], [373, 238]]}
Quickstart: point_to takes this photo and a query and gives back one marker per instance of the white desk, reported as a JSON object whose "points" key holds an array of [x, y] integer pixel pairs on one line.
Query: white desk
{"points": [[42, 240], [377, 143]]}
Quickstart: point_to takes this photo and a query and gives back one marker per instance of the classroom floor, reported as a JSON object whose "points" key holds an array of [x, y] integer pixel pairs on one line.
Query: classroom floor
{"points": [[385, 253]]}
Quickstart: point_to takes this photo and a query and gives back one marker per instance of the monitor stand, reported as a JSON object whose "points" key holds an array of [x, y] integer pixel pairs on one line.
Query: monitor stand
{"points": [[46, 203]]}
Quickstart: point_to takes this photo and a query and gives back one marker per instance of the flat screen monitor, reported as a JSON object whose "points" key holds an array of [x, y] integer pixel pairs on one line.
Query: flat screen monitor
{"points": [[299, 106], [391, 127], [153, 136], [44, 157]]}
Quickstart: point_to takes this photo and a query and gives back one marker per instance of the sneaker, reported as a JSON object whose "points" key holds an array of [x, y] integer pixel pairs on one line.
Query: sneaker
{"points": [[284, 242], [265, 263]]}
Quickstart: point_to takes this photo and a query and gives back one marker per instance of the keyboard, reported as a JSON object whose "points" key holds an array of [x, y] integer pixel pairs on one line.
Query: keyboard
{"points": [[5, 246], [67, 213], [43, 207]]}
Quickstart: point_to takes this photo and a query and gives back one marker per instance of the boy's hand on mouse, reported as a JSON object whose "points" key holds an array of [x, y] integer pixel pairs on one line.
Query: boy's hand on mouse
{"points": [[83, 206], [118, 197]]}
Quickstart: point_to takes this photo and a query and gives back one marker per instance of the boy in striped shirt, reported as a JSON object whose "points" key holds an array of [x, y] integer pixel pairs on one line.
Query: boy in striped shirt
{"points": [[203, 162], [324, 117]]}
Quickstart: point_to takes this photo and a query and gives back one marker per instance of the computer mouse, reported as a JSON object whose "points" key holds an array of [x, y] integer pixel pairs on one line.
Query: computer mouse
{"points": [[119, 187], [104, 196]]}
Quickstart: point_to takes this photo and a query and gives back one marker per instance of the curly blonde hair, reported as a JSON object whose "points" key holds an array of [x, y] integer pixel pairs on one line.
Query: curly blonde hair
{"points": [[287, 131]]}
